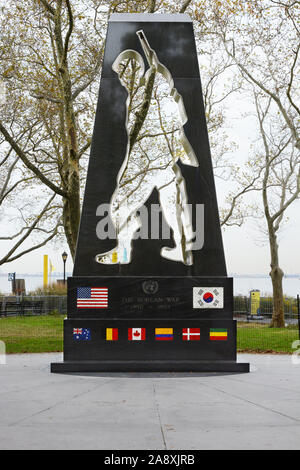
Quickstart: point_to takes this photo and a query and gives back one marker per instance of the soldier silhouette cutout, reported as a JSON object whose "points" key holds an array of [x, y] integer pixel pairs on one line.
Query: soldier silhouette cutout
{"points": [[156, 141]]}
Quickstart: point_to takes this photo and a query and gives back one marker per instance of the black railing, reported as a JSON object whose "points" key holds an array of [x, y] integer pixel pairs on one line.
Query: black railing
{"points": [[33, 305], [253, 331]]}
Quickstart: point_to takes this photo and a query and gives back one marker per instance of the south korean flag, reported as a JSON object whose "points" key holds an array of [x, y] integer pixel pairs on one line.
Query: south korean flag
{"points": [[208, 297]]}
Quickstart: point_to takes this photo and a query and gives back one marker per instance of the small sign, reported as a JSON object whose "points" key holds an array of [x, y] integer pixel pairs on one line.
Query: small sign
{"points": [[11, 276], [255, 302]]}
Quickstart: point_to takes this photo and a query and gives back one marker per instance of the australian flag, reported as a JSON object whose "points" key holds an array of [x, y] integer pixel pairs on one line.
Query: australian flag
{"points": [[81, 334]]}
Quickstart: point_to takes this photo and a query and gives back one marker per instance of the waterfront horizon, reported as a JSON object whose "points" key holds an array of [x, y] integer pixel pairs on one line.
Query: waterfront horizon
{"points": [[243, 283]]}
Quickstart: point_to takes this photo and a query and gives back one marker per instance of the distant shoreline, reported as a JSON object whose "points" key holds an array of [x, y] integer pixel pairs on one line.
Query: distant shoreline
{"points": [[243, 284]]}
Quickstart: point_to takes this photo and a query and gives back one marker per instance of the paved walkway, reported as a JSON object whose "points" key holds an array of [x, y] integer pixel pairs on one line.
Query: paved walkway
{"points": [[39, 410]]}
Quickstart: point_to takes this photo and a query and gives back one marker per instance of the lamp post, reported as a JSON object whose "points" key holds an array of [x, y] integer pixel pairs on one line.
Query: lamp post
{"points": [[64, 257]]}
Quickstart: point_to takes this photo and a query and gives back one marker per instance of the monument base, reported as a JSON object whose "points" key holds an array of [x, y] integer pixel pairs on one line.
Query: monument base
{"points": [[150, 325], [149, 366], [152, 353]]}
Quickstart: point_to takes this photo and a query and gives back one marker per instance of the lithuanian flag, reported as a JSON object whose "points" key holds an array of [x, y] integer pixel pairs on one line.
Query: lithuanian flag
{"points": [[164, 334], [218, 334]]}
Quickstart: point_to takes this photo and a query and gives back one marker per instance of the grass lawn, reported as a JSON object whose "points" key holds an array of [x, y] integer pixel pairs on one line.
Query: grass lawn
{"points": [[45, 334], [32, 334], [260, 338]]}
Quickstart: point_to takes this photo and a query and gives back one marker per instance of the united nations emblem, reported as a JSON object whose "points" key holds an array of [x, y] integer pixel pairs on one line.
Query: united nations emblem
{"points": [[150, 287]]}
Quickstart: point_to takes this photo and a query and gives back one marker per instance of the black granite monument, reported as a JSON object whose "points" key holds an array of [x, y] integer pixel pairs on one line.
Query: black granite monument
{"points": [[150, 290]]}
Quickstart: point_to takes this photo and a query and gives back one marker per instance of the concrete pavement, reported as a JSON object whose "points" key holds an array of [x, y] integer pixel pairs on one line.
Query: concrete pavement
{"points": [[39, 410]]}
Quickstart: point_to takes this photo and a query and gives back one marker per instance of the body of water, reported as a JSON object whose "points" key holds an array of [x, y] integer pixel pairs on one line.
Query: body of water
{"points": [[242, 284], [31, 282]]}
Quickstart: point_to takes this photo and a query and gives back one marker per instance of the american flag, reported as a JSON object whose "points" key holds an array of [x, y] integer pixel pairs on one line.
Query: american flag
{"points": [[92, 297]]}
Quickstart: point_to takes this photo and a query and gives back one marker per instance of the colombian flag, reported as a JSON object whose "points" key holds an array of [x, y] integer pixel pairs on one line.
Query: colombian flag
{"points": [[218, 334], [164, 334], [112, 334]]}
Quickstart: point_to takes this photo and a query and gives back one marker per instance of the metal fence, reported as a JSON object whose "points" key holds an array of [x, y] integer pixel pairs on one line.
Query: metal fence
{"points": [[33, 305], [254, 333], [242, 310], [43, 305], [35, 323]]}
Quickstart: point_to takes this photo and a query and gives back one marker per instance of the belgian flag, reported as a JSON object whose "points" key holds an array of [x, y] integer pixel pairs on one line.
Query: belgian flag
{"points": [[112, 334]]}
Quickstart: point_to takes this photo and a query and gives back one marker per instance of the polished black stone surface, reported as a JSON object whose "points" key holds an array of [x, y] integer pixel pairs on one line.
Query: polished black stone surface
{"points": [[98, 348], [175, 47], [173, 42], [150, 366], [123, 355], [128, 297], [170, 303]]}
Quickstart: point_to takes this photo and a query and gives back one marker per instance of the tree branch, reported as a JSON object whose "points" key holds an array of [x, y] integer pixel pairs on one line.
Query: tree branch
{"points": [[82, 87], [68, 36], [7, 258], [4, 187], [29, 165], [265, 90], [291, 82], [35, 247], [246, 189], [44, 96], [185, 6], [48, 7], [85, 147], [152, 6]]}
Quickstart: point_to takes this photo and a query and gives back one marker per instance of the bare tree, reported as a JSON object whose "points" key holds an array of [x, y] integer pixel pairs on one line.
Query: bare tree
{"points": [[32, 224], [264, 44], [30, 220], [220, 81], [262, 40], [279, 165]]}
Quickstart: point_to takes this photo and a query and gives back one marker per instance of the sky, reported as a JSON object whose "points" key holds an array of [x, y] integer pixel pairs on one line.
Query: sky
{"points": [[246, 250]]}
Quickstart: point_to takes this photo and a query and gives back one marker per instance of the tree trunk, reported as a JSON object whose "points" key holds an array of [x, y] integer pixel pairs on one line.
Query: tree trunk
{"points": [[71, 209], [70, 236], [276, 274]]}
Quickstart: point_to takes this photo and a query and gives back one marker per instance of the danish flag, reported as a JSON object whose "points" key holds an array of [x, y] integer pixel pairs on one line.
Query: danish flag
{"points": [[191, 334]]}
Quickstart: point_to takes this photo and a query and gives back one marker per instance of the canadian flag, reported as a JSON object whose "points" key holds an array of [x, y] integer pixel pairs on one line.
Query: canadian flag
{"points": [[136, 334]]}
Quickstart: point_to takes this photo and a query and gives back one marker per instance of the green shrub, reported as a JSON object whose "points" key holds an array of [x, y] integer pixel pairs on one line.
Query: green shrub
{"points": [[51, 289]]}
